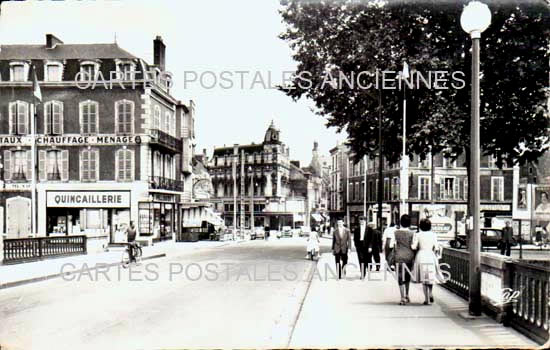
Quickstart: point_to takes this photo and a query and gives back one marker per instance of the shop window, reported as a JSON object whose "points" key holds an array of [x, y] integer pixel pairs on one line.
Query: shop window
{"points": [[125, 165], [53, 165], [124, 117], [53, 118], [89, 165], [88, 117], [19, 118], [18, 165]]}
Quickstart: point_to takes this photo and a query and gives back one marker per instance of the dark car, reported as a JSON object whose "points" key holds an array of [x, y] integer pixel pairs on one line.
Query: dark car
{"points": [[490, 237]]}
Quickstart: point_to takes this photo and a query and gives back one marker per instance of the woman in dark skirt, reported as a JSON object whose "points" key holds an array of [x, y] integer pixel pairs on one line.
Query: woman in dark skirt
{"points": [[404, 257]]}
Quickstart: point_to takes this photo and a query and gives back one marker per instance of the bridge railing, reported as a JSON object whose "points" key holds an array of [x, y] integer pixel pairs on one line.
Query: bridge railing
{"points": [[21, 250]]}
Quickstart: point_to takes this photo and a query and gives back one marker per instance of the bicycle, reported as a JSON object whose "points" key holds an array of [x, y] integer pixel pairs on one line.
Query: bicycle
{"points": [[126, 254]]}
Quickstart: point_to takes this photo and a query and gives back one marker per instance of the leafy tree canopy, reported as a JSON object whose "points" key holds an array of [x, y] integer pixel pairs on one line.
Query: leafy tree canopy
{"points": [[342, 38]]}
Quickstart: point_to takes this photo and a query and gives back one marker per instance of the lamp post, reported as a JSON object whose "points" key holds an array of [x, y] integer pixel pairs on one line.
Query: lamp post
{"points": [[404, 183], [250, 170], [475, 18]]}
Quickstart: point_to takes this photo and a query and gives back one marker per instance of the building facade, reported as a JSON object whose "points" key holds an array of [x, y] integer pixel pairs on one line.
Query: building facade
{"points": [[109, 142], [256, 185], [338, 188]]}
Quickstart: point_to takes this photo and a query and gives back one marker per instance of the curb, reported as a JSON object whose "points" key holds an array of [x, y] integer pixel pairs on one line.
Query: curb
{"points": [[48, 277]]}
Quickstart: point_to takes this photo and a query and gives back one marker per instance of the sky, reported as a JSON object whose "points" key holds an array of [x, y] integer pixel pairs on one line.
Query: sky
{"points": [[202, 37]]}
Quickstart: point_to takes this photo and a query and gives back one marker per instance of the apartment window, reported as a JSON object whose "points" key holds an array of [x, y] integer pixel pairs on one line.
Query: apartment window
{"points": [[53, 71], [53, 118], [424, 187], [19, 71], [448, 163], [53, 165], [386, 189], [497, 188], [88, 117], [89, 165], [168, 123], [125, 165], [465, 187], [125, 70], [19, 118], [426, 163], [88, 70], [17, 165], [449, 188], [492, 162], [395, 189], [124, 117], [156, 118]]}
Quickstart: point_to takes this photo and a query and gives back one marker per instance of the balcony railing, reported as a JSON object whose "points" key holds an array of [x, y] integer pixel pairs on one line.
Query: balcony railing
{"points": [[163, 183], [166, 140]]}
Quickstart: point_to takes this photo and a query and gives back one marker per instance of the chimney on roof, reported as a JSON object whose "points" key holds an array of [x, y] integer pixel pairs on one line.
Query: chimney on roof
{"points": [[204, 152], [52, 40], [159, 50]]}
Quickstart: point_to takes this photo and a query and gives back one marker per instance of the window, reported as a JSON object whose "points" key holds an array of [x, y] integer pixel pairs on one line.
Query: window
{"points": [[88, 117], [17, 165], [53, 71], [53, 118], [426, 163], [491, 161], [19, 118], [386, 189], [125, 165], [447, 163], [167, 121], [449, 188], [497, 188], [424, 187], [125, 70], [124, 117], [395, 189], [53, 165], [156, 118], [19, 71], [89, 165], [465, 192], [88, 70]]}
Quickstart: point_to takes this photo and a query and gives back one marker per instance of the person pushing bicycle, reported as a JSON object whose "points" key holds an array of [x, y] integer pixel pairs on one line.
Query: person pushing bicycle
{"points": [[131, 238]]}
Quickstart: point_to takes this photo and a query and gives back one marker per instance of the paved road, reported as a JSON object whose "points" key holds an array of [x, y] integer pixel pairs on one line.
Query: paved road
{"points": [[245, 295]]}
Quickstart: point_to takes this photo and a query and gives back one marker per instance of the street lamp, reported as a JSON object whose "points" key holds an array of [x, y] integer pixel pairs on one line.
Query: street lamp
{"points": [[250, 170], [404, 160], [475, 18]]}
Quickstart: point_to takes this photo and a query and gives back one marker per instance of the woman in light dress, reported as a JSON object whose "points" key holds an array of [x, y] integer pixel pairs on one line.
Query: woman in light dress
{"points": [[426, 265]]}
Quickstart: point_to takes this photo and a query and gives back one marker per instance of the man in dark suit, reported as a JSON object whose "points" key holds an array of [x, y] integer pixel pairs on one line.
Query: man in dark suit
{"points": [[373, 246], [341, 244], [507, 239], [359, 239]]}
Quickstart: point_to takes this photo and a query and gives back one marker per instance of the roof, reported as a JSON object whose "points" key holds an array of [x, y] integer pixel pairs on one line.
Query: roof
{"points": [[247, 148], [63, 51]]}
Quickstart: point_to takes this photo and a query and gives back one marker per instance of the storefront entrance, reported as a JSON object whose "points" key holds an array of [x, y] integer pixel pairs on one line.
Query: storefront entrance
{"points": [[18, 217]]}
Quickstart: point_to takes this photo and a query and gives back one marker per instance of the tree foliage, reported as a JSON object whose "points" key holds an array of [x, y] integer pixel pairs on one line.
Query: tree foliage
{"points": [[348, 37]]}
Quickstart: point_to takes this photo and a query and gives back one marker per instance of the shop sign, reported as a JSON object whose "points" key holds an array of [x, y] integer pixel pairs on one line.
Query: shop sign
{"points": [[160, 197], [495, 207], [18, 186], [88, 199], [88, 140]]}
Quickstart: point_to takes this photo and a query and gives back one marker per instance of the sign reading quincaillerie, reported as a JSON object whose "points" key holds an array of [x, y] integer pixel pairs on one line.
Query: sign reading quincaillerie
{"points": [[88, 199]]}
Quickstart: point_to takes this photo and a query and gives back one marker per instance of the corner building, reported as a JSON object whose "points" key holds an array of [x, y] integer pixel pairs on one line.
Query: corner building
{"points": [[106, 152]]}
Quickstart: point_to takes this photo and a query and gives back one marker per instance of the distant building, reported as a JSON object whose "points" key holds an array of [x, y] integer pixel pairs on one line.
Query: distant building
{"points": [[338, 183], [270, 190]]}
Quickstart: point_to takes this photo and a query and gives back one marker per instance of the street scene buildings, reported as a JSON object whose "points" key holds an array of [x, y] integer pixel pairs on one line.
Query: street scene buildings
{"points": [[288, 174]]}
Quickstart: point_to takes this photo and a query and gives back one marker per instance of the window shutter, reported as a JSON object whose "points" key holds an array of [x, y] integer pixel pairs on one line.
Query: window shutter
{"points": [[23, 119], [65, 165], [93, 118], [130, 165], [7, 165], [56, 118], [117, 116], [83, 174], [12, 114], [117, 165], [42, 165], [95, 156], [442, 190], [28, 170], [456, 189], [84, 121], [47, 118]]}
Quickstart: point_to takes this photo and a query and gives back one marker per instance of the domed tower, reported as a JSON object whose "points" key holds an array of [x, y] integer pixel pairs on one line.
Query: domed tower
{"points": [[272, 135]]}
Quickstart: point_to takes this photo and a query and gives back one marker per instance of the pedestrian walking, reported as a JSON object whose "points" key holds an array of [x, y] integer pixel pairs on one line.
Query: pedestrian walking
{"points": [[387, 236], [341, 244], [426, 263], [359, 239], [404, 257], [374, 247], [507, 239]]}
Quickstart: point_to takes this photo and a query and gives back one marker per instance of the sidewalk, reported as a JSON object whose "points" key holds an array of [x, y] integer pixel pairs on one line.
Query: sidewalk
{"points": [[352, 313], [18, 274]]}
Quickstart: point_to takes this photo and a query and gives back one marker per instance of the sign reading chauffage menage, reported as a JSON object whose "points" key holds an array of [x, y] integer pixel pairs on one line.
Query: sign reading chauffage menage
{"points": [[88, 199]]}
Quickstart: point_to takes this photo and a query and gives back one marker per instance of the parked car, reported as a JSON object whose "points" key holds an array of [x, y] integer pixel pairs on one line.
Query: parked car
{"points": [[286, 231], [490, 237], [258, 232]]}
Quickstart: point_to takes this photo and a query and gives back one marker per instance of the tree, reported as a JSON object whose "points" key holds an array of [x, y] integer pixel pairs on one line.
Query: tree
{"points": [[343, 38]]}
